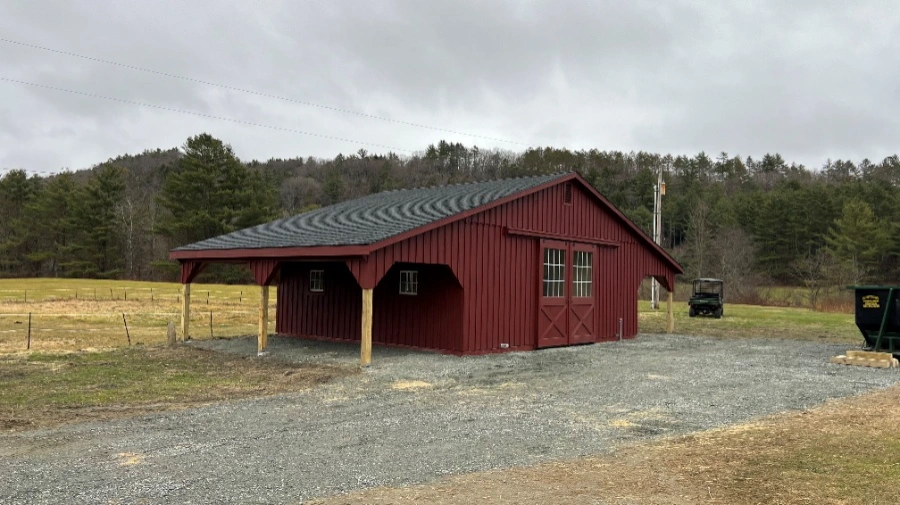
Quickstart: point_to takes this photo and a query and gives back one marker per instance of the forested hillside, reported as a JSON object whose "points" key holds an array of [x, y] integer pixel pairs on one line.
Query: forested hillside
{"points": [[750, 221]]}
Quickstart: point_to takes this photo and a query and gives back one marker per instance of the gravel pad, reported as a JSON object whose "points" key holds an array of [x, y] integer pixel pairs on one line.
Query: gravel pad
{"points": [[414, 417]]}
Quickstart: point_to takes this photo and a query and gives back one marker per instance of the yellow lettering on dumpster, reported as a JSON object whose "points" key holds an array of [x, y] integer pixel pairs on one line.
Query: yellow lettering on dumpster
{"points": [[871, 302]]}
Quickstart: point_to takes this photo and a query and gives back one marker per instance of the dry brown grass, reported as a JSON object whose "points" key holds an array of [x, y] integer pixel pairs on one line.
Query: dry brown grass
{"points": [[845, 452], [62, 323]]}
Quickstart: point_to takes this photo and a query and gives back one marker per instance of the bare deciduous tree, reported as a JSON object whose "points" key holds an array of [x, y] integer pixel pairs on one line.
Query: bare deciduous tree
{"points": [[299, 192], [735, 254], [699, 237], [815, 271]]}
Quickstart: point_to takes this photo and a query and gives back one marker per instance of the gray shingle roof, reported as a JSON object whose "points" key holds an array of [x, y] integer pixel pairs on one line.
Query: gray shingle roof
{"points": [[372, 218]]}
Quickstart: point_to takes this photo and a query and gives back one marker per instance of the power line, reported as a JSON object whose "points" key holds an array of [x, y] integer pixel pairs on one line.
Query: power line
{"points": [[200, 114], [257, 93]]}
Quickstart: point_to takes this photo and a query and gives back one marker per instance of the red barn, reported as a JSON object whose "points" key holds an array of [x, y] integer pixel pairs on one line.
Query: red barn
{"points": [[505, 265]]}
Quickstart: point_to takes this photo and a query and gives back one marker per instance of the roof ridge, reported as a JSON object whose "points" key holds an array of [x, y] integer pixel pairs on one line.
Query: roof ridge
{"points": [[498, 179]]}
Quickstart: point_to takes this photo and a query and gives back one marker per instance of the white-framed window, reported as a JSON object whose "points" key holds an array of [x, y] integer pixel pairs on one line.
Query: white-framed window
{"points": [[316, 281], [409, 282], [554, 273], [582, 274]]}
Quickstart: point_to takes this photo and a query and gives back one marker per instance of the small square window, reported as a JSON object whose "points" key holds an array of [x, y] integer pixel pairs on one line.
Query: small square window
{"points": [[317, 281], [409, 282]]}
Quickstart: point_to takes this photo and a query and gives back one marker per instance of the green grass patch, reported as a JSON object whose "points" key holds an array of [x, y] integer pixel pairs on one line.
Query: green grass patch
{"points": [[45, 388], [741, 321]]}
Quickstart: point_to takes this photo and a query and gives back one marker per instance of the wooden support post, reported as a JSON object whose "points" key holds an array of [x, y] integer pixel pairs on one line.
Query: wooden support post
{"points": [[263, 339], [185, 312], [670, 315], [365, 350]]}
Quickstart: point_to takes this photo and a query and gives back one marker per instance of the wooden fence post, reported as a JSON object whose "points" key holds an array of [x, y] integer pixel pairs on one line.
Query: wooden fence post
{"points": [[127, 335], [28, 342], [210, 325], [171, 337]]}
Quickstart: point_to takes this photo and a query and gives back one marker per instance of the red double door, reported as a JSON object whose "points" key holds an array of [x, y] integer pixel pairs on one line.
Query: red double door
{"points": [[566, 313]]}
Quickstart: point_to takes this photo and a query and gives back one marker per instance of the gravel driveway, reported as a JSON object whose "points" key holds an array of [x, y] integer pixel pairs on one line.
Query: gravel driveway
{"points": [[415, 416]]}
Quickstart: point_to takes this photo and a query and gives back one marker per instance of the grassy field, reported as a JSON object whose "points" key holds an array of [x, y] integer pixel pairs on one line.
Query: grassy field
{"points": [[741, 321], [41, 389], [71, 314], [81, 366], [834, 299]]}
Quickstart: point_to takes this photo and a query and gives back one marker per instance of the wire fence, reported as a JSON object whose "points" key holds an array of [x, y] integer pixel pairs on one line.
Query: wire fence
{"points": [[77, 331], [207, 296]]}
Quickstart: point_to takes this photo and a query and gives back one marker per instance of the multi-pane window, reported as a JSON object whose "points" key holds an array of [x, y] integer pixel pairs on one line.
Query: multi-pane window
{"points": [[409, 282], [317, 281], [582, 274], [554, 273]]}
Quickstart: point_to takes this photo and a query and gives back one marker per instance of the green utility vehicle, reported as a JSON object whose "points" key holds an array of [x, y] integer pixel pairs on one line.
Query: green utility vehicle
{"points": [[707, 298]]}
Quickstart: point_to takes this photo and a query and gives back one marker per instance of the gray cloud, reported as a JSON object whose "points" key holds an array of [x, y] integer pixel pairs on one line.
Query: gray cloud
{"points": [[810, 80]]}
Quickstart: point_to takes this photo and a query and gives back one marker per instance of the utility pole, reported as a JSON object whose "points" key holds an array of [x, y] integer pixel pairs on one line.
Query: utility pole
{"points": [[659, 189]]}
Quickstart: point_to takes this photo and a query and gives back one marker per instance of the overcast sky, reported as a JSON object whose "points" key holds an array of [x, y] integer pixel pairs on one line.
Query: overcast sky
{"points": [[811, 79]]}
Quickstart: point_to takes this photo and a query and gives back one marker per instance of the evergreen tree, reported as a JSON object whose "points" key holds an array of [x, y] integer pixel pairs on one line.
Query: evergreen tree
{"points": [[17, 191], [858, 238], [211, 192], [334, 187], [263, 202], [53, 213], [97, 251]]}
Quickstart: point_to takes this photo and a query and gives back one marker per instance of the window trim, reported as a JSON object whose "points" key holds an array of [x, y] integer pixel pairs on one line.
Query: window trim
{"points": [[409, 282], [317, 274]]}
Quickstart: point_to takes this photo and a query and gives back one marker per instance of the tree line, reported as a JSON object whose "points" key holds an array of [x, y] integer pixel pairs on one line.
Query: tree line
{"points": [[749, 221]]}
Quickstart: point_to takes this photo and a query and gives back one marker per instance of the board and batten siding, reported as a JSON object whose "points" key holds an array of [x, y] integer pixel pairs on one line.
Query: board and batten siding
{"points": [[487, 300]]}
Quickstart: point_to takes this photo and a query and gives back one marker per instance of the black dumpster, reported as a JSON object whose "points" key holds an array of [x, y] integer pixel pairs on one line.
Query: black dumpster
{"points": [[878, 316]]}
